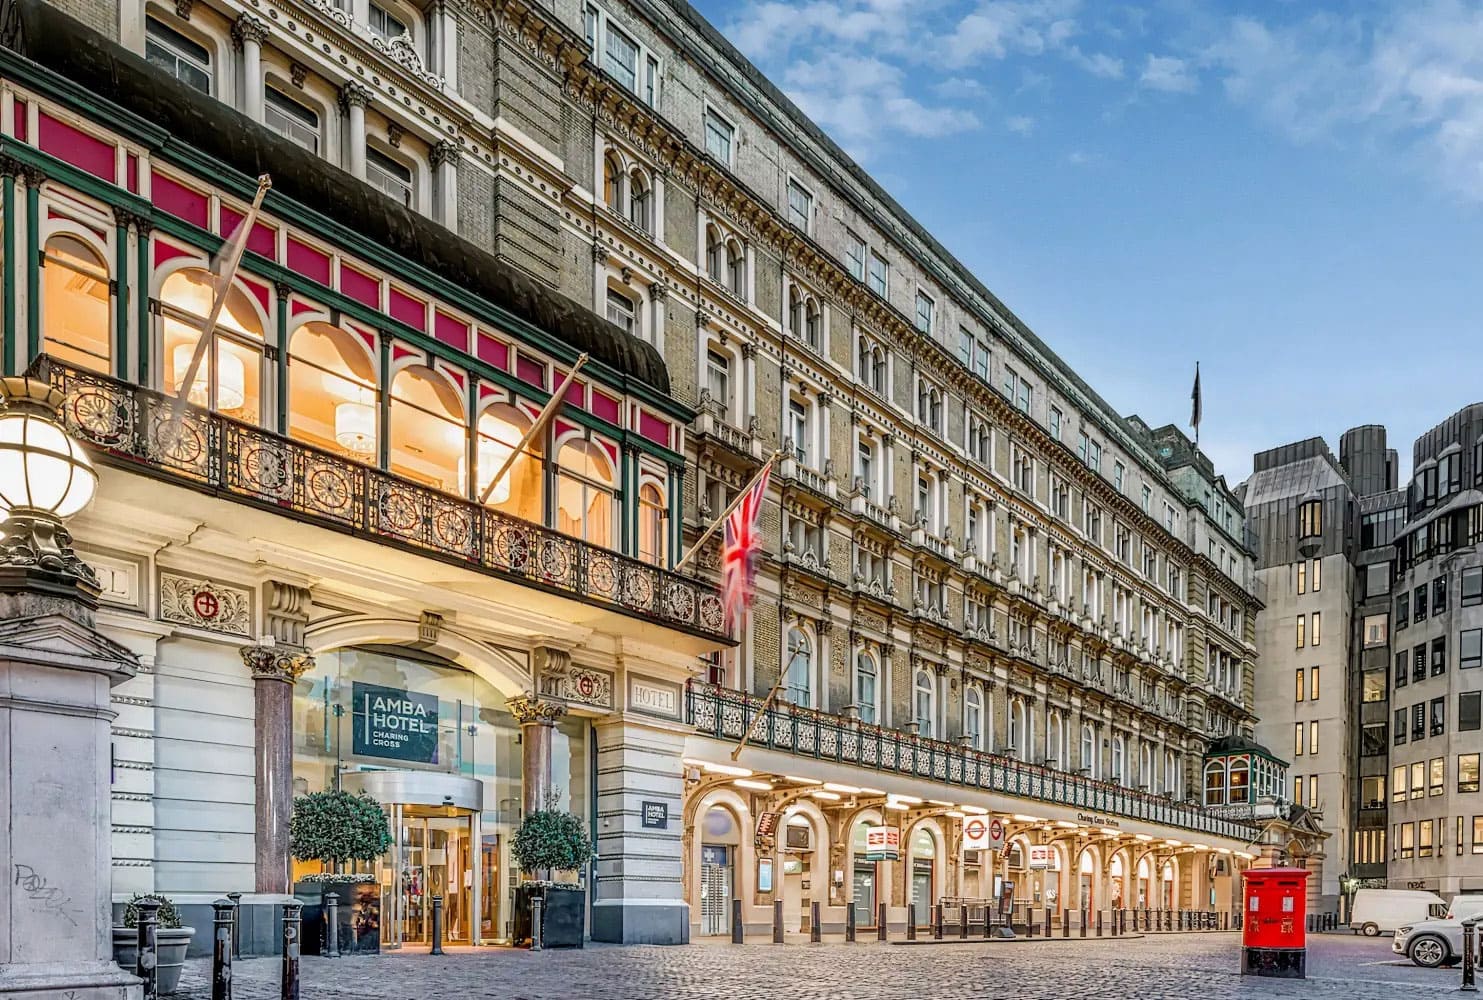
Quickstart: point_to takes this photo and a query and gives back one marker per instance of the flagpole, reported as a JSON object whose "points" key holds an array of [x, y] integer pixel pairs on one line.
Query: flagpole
{"points": [[761, 712], [716, 524], [223, 282], [536, 429]]}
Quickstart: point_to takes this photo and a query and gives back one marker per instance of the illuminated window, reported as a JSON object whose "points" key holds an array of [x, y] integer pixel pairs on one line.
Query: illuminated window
{"points": [[652, 542], [229, 376], [585, 503], [76, 321], [332, 398], [520, 489], [427, 434]]}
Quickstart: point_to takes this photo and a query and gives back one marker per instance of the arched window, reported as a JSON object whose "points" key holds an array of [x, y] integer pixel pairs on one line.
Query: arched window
{"points": [[519, 491], [736, 267], [77, 321], [427, 434], [332, 397], [813, 323], [1089, 751], [795, 311], [866, 689], [798, 678], [1018, 732], [1239, 781], [924, 703], [973, 718], [1054, 735], [715, 254], [640, 201], [1119, 750], [585, 506], [652, 542], [1146, 776], [229, 377], [613, 182], [1215, 783], [1171, 775], [862, 361]]}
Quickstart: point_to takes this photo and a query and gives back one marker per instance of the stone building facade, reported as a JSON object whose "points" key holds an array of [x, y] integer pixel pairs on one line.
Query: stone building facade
{"points": [[967, 548]]}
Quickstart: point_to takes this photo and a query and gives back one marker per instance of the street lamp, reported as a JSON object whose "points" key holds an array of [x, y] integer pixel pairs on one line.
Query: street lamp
{"points": [[45, 477]]}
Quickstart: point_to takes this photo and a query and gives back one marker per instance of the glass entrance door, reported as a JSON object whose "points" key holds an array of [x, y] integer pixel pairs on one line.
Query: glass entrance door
{"points": [[432, 854]]}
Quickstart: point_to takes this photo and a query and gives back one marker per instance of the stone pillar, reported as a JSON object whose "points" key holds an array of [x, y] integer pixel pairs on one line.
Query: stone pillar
{"points": [[274, 672], [445, 156], [250, 33], [355, 97], [536, 717], [447, 45], [658, 293], [748, 408], [56, 672]]}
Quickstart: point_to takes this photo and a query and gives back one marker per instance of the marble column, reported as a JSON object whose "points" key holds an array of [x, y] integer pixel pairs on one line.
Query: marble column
{"points": [[274, 671], [250, 33], [537, 718], [355, 97]]}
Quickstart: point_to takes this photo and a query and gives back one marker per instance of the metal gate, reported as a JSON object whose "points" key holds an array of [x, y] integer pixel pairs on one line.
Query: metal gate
{"points": [[715, 892]]}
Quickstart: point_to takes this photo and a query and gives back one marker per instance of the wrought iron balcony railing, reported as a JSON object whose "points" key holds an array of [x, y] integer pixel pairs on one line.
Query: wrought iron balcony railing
{"points": [[130, 427], [728, 714]]}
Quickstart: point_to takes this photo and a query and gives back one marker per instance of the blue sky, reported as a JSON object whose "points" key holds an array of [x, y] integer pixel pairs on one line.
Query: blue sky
{"points": [[1289, 192]]}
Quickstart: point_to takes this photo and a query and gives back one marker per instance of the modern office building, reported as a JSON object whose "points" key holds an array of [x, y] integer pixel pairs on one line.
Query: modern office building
{"points": [[985, 592]]}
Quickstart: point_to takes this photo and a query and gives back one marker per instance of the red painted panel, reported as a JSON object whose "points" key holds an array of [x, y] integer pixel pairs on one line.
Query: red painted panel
{"points": [[262, 239], [361, 287], [398, 352], [309, 262], [258, 289], [576, 393], [297, 307], [451, 331], [166, 251], [178, 200], [453, 373], [367, 336], [406, 309], [653, 428], [530, 371], [485, 391], [131, 172], [493, 352], [77, 147], [22, 122], [605, 407], [562, 427]]}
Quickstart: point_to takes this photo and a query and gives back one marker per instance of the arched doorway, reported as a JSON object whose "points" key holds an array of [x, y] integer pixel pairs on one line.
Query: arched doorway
{"points": [[1167, 885], [1143, 886], [865, 877], [802, 873], [1117, 886], [922, 875], [1086, 873], [720, 847]]}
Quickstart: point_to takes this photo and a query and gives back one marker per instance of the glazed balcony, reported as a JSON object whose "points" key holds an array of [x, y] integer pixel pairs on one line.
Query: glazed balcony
{"points": [[727, 714], [129, 427]]}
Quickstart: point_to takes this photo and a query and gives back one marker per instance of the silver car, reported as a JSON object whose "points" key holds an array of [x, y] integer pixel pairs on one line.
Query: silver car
{"points": [[1430, 943]]}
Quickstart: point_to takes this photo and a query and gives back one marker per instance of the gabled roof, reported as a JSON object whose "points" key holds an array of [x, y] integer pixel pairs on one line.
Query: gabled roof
{"points": [[197, 121]]}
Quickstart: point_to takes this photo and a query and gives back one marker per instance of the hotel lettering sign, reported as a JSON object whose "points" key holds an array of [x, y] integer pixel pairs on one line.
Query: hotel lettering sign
{"points": [[396, 724]]}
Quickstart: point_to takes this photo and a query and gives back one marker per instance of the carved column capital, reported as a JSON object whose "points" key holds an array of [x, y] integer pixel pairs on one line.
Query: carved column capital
{"points": [[249, 29], [446, 151], [285, 613], [268, 663], [530, 709], [355, 95]]}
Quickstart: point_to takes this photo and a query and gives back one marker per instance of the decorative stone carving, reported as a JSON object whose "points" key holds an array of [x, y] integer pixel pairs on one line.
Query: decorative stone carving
{"points": [[285, 612], [394, 135], [530, 709], [404, 53], [205, 605], [355, 94], [429, 627], [249, 29], [297, 74], [446, 151], [269, 663]]}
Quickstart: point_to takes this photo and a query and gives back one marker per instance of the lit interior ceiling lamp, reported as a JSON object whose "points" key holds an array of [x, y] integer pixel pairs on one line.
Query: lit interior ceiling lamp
{"points": [[912, 799], [975, 810], [756, 786], [826, 796], [834, 786], [491, 454], [898, 806], [231, 377]]}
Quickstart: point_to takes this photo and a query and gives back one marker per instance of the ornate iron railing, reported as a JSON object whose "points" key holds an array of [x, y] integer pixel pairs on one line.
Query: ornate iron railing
{"points": [[729, 715], [130, 426]]}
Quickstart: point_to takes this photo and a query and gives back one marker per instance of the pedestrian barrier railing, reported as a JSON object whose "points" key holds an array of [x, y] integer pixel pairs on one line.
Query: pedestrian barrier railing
{"points": [[732, 715]]}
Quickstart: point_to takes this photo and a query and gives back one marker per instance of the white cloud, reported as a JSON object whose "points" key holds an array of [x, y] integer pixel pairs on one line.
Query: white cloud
{"points": [[1098, 63], [996, 28], [1168, 74], [1020, 124]]}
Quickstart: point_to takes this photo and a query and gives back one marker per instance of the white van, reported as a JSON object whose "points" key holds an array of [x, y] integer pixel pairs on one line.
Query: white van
{"points": [[1377, 911]]}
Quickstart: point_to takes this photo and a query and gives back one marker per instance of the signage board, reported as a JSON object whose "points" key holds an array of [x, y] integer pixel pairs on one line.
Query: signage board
{"points": [[1042, 856], [882, 843], [394, 723], [983, 833], [655, 815]]}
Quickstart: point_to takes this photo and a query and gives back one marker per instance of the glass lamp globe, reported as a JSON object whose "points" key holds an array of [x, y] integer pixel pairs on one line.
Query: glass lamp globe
{"points": [[43, 470]]}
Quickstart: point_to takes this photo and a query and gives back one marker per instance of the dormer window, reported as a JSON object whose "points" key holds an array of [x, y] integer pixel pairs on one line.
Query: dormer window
{"points": [[1310, 518]]}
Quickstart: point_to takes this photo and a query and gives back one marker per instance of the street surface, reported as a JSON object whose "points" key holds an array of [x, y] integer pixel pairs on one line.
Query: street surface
{"points": [[1162, 967]]}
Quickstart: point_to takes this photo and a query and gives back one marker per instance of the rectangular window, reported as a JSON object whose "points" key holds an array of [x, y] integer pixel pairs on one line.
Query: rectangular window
{"points": [[1372, 740], [1117, 476], [621, 311], [1472, 587], [1376, 630], [1303, 577], [1437, 773], [854, 256], [925, 312], [1055, 423], [1467, 772], [388, 176], [1408, 841], [1439, 655], [1424, 839], [169, 50], [1402, 676], [1313, 684], [1317, 575], [800, 206], [1418, 721], [1297, 789], [1312, 791], [1470, 649], [651, 82], [1377, 580], [1478, 834], [1400, 726], [1373, 686], [621, 58], [1313, 737], [1302, 627], [1418, 780], [1460, 821], [1301, 686], [1317, 625], [1147, 498], [1418, 663], [291, 120], [798, 428], [718, 381], [1402, 611], [1418, 604], [879, 277], [1439, 595], [719, 134], [1297, 740], [1398, 783], [386, 25], [1439, 716], [1469, 709]]}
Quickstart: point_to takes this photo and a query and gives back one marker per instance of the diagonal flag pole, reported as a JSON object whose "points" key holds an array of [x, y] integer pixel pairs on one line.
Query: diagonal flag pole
{"points": [[716, 525], [228, 261], [536, 429]]}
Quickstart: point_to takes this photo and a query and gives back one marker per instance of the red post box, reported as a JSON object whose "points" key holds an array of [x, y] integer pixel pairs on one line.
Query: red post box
{"points": [[1273, 937]]}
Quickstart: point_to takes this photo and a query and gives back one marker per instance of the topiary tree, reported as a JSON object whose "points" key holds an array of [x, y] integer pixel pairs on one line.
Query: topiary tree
{"points": [[334, 827], [551, 840]]}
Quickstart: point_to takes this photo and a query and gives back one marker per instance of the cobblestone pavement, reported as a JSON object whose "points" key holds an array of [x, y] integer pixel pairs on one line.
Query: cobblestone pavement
{"points": [[1168, 967]]}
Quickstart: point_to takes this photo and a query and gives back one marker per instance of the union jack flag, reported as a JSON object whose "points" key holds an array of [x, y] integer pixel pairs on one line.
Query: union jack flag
{"points": [[743, 542]]}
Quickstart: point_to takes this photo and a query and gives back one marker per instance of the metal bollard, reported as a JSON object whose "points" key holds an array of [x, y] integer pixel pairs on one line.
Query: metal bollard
{"points": [[1049, 917], [437, 948], [880, 922], [1099, 923], [1029, 921], [236, 898], [814, 931], [331, 947], [738, 929], [849, 922], [988, 920], [1085, 915], [537, 922], [221, 948], [1469, 956], [1065, 923], [963, 922], [147, 962], [937, 922], [911, 923], [293, 919], [777, 921]]}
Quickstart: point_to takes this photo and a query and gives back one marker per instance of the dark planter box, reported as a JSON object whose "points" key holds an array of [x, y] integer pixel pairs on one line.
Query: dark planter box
{"points": [[359, 913], [563, 914]]}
